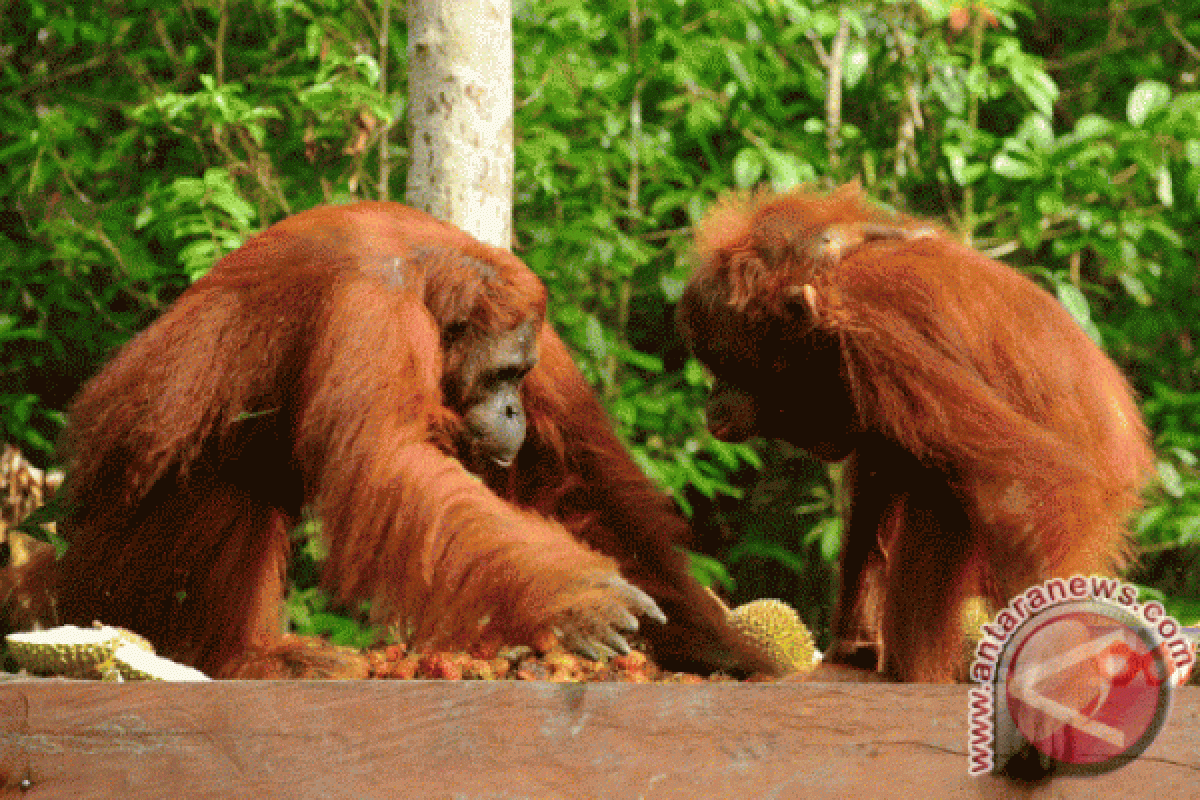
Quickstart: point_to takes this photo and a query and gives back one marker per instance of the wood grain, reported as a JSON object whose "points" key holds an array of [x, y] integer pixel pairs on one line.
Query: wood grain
{"points": [[432, 739]]}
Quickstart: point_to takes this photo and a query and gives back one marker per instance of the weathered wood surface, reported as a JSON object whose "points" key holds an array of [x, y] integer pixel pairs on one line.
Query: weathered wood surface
{"points": [[382, 739]]}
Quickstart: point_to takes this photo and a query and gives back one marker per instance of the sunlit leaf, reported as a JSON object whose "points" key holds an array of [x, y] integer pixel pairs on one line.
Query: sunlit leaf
{"points": [[1146, 98], [748, 167], [1172, 481], [1077, 305], [855, 62]]}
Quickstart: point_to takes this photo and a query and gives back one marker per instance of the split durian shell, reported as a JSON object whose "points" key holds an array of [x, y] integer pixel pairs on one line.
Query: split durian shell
{"points": [[136, 664], [103, 651], [66, 650]]}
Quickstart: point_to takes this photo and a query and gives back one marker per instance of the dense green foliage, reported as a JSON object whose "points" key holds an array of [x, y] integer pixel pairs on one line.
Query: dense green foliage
{"points": [[141, 140]]}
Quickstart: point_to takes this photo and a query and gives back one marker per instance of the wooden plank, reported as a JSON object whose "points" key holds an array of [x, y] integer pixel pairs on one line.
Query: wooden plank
{"points": [[513, 740]]}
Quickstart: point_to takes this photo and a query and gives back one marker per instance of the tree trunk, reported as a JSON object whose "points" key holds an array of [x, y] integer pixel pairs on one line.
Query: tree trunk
{"points": [[460, 88]]}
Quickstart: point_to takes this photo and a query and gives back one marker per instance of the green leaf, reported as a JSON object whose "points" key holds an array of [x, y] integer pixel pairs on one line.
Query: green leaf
{"points": [[829, 533], [672, 287], [1077, 306], [1162, 187], [1039, 87], [1050, 203], [767, 550], [1172, 481], [1005, 165], [709, 570], [594, 338], [748, 166], [854, 63], [1038, 131], [1092, 126], [645, 361], [695, 374], [787, 171], [739, 69], [1135, 288], [1146, 98], [1191, 151]]}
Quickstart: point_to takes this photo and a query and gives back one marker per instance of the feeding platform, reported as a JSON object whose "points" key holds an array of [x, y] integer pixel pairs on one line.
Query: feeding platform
{"points": [[511, 739]]}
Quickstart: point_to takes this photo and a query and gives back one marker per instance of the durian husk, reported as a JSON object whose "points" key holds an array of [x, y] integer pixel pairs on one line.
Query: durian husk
{"points": [[104, 651], [66, 650], [779, 632], [974, 615], [136, 664]]}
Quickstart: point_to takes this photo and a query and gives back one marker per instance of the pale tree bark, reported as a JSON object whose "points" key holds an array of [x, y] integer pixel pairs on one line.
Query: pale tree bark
{"points": [[460, 89]]}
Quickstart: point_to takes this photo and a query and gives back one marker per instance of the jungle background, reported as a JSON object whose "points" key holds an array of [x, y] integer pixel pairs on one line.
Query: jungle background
{"points": [[140, 140]]}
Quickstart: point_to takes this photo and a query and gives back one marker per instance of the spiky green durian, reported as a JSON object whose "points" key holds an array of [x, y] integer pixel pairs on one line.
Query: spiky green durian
{"points": [[777, 629]]}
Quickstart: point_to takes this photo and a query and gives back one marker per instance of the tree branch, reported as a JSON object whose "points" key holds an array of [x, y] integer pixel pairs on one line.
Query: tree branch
{"points": [[833, 95]]}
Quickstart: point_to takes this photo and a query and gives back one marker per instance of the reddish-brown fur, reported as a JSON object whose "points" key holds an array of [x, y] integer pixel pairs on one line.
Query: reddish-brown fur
{"points": [[992, 444], [307, 370]]}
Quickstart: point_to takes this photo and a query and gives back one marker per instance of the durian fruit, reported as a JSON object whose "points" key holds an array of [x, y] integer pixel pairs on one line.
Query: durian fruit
{"points": [[778, 631], [137, 664], [103, 651], [66, 650], [974, 615]]}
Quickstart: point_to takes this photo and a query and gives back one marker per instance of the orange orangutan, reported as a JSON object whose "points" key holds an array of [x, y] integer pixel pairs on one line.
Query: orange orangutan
{"points": [[397, 378], [991, 443]]}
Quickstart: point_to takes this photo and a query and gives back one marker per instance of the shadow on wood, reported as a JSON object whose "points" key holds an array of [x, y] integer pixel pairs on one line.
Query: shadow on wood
{"points": [[509, 739]]}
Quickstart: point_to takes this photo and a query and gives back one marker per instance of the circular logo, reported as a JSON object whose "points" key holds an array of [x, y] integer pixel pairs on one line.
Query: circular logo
{"points": [[1088, 685]]}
